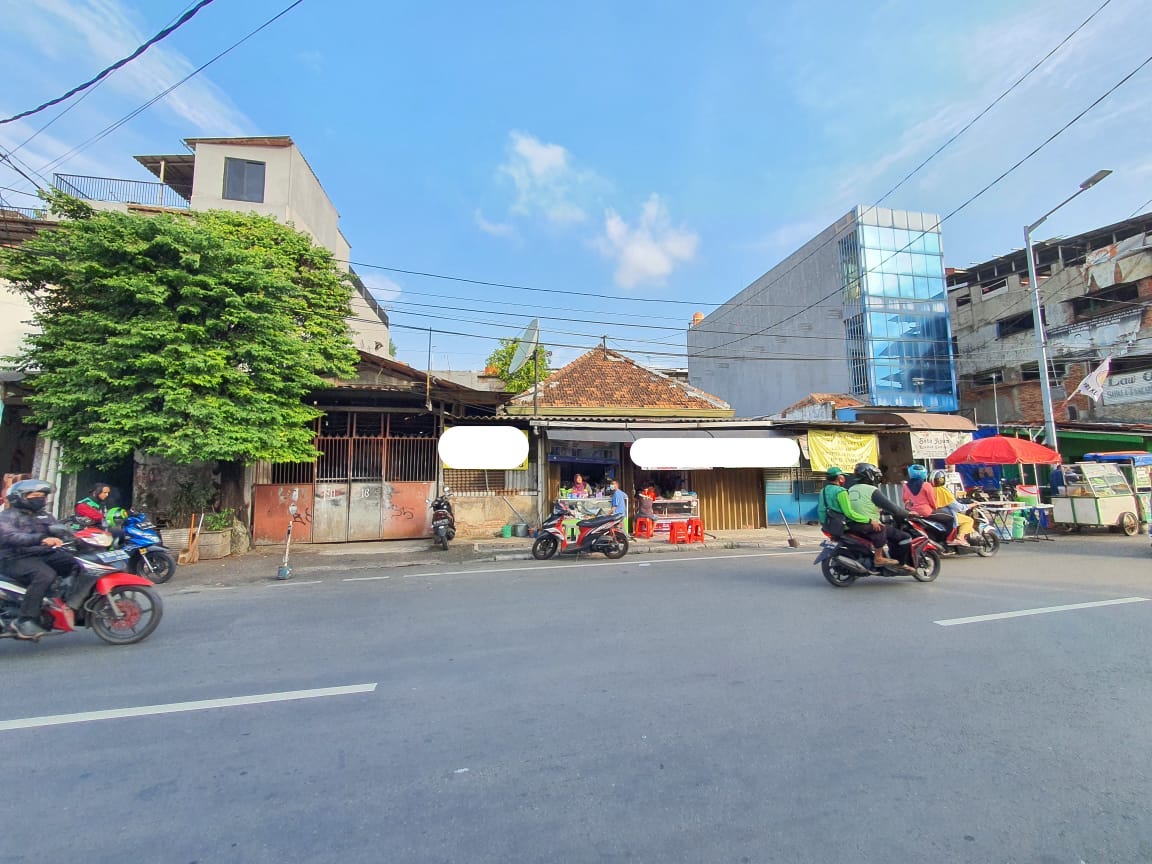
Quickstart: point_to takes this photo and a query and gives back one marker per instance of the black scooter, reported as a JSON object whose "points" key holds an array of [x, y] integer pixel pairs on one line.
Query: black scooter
{"points": [[443, 519]]}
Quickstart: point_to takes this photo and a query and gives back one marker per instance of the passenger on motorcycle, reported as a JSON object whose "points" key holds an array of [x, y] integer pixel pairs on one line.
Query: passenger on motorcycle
{"points": [[836, 515], [920, 497], [94, 508], [945, 500], [868, 501], [31, 555]]}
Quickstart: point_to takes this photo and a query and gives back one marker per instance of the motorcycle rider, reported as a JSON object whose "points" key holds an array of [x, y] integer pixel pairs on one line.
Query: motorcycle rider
{"points": [[866, 499], [945, 500], [837, 515], [31, 555], [920, 498]]}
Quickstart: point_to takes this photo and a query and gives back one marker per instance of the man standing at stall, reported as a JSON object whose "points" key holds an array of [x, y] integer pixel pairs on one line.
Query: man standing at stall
{"points": [[620, 503]]}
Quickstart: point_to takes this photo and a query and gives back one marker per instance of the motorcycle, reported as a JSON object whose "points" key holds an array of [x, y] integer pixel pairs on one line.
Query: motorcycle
{"points": [[443, 519], [121, 608], [984, 540], [597, 534], [847, 558], [148, 556]]}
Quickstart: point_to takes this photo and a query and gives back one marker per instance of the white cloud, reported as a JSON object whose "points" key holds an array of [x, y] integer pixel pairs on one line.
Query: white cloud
{"points": [[650, 251], [546, 181], [496, 229], [381, 287]]}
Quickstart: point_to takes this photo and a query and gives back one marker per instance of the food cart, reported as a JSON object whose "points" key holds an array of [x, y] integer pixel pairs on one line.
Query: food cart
{"points": [[1098, 495], [1137, 469]]}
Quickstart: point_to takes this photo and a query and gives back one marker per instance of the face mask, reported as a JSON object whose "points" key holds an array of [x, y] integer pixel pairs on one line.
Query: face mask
{"points": [[35, 504]]}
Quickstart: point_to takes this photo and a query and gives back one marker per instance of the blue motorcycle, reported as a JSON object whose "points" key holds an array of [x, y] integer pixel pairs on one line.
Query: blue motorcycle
{"points": [[141, 540]]}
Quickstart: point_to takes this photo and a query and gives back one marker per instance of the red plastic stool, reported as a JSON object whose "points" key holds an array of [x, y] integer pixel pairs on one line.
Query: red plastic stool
{"points": [[644, 527], [695, 530], [678, 532]]}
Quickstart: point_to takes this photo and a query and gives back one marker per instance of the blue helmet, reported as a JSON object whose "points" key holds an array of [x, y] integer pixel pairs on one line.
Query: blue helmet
{"points": [[917, 472]]}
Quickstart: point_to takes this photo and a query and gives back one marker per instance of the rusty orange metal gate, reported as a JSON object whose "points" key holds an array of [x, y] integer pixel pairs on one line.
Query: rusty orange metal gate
{"points": [[361, 488]]}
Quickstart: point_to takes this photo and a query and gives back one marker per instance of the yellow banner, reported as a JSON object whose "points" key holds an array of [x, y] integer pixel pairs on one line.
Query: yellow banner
{"points": [[842, 449]]}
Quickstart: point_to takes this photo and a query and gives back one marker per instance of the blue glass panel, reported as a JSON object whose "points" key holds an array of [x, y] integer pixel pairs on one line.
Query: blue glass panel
{"points": [[920, 265], [891, 284], [907, 287], [920, 285], [872, 259], [870, 236], [903, 263], [935, 287], [887, 239]]}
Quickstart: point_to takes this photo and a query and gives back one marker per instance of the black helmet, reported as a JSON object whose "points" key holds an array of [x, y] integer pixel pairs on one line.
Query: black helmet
{"points": [[868, 473], [18, 494], [938, 478]]}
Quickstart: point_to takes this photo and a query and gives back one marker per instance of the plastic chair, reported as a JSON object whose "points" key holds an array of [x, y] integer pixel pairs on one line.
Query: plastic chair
{"points": [[645, 527], [695, 530], [678, 532]]}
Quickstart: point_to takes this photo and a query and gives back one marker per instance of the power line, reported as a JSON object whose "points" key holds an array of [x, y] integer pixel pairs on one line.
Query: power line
{"points": [[104, 73], [75, 104], [958, 209], [996, 101], [163, 93]]}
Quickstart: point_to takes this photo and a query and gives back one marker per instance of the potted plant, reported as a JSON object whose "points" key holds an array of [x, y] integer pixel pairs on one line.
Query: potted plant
{"points": [[216, 534]]}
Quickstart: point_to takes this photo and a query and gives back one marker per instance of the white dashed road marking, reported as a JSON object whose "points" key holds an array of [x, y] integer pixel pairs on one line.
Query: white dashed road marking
{"points": [[951, 622], [178, 707]]}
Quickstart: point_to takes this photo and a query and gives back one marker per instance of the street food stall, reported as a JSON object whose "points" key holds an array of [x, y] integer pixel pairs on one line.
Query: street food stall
{"points": [[1010, 517], [1096, 495], [1137, 469]]}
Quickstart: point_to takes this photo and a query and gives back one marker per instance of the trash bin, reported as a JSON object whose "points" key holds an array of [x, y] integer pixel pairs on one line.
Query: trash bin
{"points": [[1019, 521]]}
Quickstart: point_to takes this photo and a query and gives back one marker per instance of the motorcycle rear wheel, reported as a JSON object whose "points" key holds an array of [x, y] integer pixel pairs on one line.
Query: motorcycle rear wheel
{"points": [[140, 612], [834, 575], [545, 547], [617, 547], [158, 567], [989, 544], [928, 566]]}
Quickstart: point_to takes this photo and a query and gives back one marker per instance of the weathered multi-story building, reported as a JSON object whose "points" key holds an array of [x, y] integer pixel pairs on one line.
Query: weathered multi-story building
{"points": [[1096, 295]]}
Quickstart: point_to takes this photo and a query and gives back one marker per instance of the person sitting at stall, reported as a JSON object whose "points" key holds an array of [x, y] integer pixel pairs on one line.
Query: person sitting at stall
{"points": [[644, 508], [579, 487], [945, 500]]}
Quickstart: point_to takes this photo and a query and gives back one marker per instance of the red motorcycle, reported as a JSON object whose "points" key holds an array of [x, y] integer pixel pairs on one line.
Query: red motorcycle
{"points": [[846, 558], [121, 608], [598, 534]]}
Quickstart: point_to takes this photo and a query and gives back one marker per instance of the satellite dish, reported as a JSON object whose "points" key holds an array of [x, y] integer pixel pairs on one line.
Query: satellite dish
{"points": [[528, 340]]}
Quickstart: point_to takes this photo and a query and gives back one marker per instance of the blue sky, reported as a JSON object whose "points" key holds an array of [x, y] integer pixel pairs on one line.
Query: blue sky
{"points": [[648, 150]]}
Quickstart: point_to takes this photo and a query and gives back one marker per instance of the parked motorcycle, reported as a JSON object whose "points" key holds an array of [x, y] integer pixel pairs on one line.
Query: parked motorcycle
{"points": [[443, 519], [845, 559], [598, 534], [121, 608], [147, 555]]}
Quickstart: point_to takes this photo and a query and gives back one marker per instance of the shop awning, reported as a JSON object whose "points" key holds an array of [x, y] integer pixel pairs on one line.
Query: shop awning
{"points": [[918, 420], [627, 436]]}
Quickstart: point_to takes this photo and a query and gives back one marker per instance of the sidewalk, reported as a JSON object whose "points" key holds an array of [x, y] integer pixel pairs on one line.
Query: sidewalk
{"points": [[310, 561]]}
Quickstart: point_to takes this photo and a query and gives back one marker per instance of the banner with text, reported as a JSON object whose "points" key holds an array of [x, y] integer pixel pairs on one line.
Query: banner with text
{"points": [[1128, 387], [937, 445], [842, 449]]}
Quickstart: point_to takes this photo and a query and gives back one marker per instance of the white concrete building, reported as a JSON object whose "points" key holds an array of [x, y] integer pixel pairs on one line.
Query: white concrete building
{"points": [[266, 175]]}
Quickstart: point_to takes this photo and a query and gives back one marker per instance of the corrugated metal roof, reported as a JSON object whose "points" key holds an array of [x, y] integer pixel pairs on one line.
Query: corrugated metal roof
{"points": [[917, 420]]}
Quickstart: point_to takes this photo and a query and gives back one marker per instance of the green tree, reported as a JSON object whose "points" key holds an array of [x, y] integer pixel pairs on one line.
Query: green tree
{"points": [[191, 337], [501, 359]]}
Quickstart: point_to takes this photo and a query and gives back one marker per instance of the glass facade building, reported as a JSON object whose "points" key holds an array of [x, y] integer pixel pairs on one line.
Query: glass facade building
{"points": [[899, 342]]}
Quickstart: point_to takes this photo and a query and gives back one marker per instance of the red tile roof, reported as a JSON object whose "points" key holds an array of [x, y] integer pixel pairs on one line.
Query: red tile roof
{"points": [[838, 400], [605, 382]]}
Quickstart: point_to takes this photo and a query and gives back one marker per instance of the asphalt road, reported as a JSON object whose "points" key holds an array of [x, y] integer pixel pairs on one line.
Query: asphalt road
{"points": [[723, 708]]}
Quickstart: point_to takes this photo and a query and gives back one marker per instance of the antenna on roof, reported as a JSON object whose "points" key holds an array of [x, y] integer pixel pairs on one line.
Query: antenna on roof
{"points": [[529, 343]]}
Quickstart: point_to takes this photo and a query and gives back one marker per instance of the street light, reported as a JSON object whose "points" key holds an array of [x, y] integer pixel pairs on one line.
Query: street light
{"points": [[1038, 313]]}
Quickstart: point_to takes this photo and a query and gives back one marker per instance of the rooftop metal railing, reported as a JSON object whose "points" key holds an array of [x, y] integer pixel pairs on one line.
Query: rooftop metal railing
{"points": [[122, 191]]}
